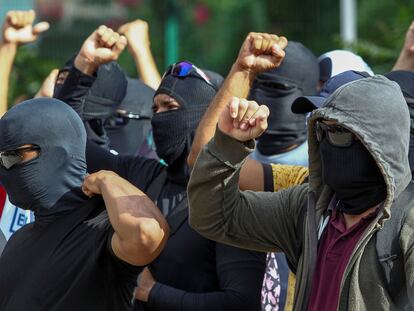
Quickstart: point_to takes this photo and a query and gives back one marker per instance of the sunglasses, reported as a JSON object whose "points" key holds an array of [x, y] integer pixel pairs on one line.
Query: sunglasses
{"points": [[122, 117], [338, 136], [13, 157], [185, 69]]}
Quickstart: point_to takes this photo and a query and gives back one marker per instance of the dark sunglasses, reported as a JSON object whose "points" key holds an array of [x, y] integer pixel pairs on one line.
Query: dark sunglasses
{"points": [[185, 69], [13, 157], [122, 117], [338, 136]]}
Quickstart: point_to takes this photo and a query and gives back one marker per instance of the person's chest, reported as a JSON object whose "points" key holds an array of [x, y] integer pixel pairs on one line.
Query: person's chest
{"points": [[187, 254], [43, 266]]}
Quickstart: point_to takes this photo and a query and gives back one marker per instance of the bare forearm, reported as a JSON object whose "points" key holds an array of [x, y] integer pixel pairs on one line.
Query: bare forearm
{"points": [[128, 206], [140, 229], [7, 55], [237, 84], [405, 61], [146, 67]]}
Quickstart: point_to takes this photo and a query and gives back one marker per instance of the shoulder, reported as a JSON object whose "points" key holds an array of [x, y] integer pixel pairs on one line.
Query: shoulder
{"points": [[140, 171]]}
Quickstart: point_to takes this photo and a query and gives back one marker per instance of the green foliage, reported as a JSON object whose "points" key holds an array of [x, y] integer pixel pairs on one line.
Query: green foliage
{"points": [[382, 25], [29, 71], [213, 42]]}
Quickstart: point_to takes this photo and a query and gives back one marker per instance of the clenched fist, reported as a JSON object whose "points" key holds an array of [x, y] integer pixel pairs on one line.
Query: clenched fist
{"points": [[137, 34], [261, 52], [102, 46], [243, 120], [92, 183], [18, 27]]}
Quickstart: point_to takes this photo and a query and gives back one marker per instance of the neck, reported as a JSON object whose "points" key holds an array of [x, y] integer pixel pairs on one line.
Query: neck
{"points": [[351, 220]]}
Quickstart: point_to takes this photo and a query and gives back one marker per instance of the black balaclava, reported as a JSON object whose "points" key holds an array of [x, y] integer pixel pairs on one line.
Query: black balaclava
{"points": [[102, 100], [277, 89], [126, 139], [50, 183], [353, 175], [174, 130]]}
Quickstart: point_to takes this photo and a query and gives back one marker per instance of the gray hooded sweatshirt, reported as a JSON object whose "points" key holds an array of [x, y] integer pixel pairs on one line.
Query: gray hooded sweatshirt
{"points": [[374, 109]]}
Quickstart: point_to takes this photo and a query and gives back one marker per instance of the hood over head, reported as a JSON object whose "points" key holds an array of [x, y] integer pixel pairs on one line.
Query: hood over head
{"points": [[368, 108], [102, 100], [174, 130], [50, 183], [277, 89], [128, 128]]}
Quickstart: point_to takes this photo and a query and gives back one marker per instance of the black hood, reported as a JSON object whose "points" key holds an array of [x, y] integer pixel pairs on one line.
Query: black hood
{"points": [[174, 130], [278, 88], [50, 183], [127, 134], [102, 100]]}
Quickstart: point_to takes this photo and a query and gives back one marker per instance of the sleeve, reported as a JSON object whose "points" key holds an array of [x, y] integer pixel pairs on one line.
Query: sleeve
{"points": [[262, 221], [113, 267], [240, 274], [75, 88], [268, 177], [285, 176], [139, 171], [119, 267], [407, 247]]}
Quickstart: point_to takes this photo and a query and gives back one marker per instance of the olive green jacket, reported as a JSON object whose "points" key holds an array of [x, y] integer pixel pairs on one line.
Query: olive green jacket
{"points": [[374, 110]]}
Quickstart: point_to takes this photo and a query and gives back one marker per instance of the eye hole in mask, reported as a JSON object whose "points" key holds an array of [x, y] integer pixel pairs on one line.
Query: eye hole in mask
{"points": [[10, 158], [276, 85]]}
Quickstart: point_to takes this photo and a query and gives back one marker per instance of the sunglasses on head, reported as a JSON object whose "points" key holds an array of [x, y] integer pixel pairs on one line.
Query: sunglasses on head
{"points": [[13, 157], [337, 135], [185, 69]]}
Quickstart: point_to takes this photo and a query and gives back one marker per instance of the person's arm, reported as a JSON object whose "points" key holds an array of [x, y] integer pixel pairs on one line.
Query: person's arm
{"points": [[259, 52], [137, 34], [262, 221], [7, 55], [101, 47], [140, 229], [17, 29], [48, 85], [405, 60], [240, 275]]}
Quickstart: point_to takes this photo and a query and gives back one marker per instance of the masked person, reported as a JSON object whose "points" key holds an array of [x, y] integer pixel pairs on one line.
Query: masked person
{"points": [[84, 253], [335, 62], [227, 277], [329, 229], [284, 141], [133, 115], [405, 80], [102, 101]]}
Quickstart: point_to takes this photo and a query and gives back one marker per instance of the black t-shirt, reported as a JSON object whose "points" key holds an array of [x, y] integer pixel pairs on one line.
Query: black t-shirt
{"points": [[66, 263], [139, 171], [192, 272]]}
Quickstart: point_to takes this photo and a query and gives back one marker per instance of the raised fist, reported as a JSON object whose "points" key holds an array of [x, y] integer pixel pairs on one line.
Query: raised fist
{"points": [[18, 27], [102, 46], [137, 34], [261, 52], [243, 120]]}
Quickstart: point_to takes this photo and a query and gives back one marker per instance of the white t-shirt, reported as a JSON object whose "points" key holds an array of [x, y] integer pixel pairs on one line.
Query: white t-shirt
{"points": [[13, 218]]}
